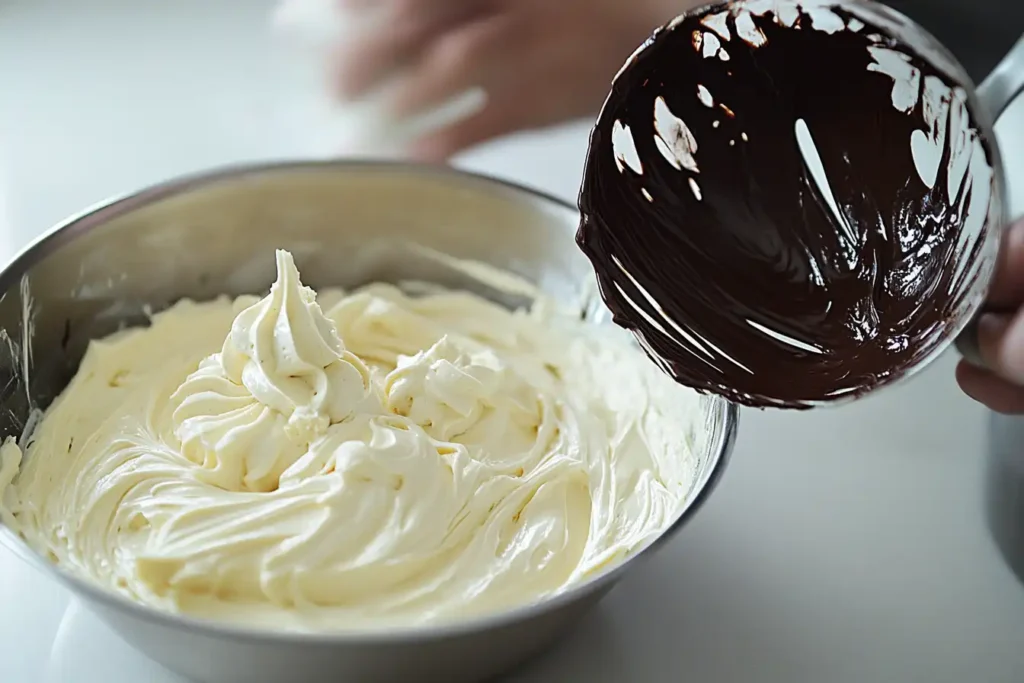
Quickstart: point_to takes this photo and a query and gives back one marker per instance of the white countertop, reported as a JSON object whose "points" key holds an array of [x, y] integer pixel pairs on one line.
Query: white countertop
{"points": [[844, 546]]}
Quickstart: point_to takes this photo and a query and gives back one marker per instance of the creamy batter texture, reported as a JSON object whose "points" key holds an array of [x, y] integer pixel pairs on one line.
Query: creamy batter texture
{"points": [[369, 460]]}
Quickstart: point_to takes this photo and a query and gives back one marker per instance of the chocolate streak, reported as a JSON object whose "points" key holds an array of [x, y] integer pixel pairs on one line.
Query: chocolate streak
{"points": [[716, 243]]}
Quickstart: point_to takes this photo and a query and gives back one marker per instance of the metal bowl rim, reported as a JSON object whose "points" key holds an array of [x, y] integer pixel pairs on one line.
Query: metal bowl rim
{"points": [[102, 212]]}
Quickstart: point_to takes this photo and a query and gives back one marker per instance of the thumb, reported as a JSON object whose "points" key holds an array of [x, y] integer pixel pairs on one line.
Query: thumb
{"points": [[1001, 344]]}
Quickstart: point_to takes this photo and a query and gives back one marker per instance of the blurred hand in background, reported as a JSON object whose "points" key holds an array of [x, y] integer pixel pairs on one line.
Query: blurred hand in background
{"points": [[540, 62]]}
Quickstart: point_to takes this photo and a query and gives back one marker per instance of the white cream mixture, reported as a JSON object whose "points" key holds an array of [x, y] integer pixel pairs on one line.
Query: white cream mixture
{"points": [[385, 460]]}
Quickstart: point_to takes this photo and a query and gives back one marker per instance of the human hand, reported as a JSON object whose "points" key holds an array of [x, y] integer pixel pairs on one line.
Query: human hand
{"points": [[1000, 384], [540, 62]]}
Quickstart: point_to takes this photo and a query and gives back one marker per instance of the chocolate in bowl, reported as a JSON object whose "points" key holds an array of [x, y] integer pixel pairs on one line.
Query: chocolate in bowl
{"points": [[792, 203]]}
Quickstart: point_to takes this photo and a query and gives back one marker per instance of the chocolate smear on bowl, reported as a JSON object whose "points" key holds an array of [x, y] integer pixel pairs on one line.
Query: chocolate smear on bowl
{"points": [[787, 202]]}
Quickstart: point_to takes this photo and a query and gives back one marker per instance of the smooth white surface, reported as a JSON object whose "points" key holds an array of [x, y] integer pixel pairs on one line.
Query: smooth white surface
{"points": [[844, 546]]}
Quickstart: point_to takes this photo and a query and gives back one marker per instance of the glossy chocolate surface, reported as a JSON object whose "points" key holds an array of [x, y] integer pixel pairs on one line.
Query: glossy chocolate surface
{"points": [[785, 202]]}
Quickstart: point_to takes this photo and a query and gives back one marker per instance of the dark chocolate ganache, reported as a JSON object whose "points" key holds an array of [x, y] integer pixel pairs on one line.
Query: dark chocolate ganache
{"points": [[788, 202]]}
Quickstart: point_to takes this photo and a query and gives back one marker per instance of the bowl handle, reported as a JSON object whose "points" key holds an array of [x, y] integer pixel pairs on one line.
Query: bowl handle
{"points": [[1005, 83]]}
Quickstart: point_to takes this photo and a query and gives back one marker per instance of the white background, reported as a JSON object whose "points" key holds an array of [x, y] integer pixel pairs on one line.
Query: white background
{"points": [[844, 546]]}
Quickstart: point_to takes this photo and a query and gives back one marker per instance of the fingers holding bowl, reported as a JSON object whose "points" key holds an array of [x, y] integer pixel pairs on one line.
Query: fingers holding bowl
{"points": [[989, 389], [1007, 291], [992, 370]]}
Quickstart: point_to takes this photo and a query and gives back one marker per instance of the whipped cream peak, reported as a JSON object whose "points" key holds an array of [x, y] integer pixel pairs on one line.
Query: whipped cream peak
{"points": [[287, 353], [281, 379]]}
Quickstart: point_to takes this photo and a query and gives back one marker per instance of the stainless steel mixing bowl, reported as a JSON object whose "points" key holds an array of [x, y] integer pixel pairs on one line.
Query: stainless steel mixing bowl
{"points": [[346, 223]]}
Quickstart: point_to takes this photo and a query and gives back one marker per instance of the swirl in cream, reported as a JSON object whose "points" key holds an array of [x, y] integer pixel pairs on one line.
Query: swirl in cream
{"points": [[395, 460], [281, 380]]}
